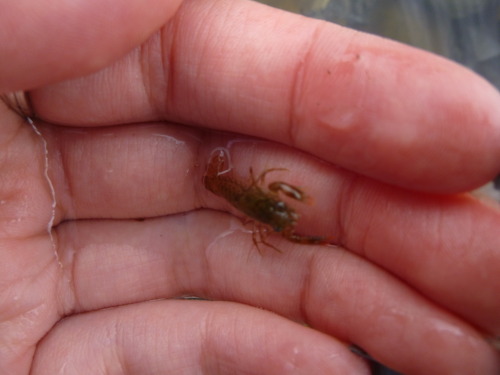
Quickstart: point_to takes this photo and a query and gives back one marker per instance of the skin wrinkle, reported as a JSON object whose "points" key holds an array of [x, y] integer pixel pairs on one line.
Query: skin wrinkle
{"points": [[212, 278], [297, 85], [223, 38], [363, 246], [208, 275], [304, 294], [198, 189], [164, 93], [145, 58], [189, 286], [70, 300], [189, 72], [74, 302], [175, 276], [169, 36], [65, 293], [346, 195], [167, 75], [207, 346], [66, 207], [118, 336], [24, 320]]}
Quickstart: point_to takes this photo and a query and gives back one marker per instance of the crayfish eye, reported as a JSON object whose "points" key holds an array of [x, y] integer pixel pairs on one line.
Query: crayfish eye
{"points": [[281, 205]]}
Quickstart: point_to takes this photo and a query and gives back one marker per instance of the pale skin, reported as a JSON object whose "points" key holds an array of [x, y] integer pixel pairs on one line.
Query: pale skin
{"points": [[414, 279]]}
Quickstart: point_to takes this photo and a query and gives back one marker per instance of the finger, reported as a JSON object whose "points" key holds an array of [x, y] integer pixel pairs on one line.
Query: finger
{"points": [[447, 247], [211, 255], [370, 105], [48, 41], [444, 247], [190, 337], [125, 171]]}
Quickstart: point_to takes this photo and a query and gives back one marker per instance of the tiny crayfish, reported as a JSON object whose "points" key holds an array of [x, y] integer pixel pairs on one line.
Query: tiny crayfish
{"points": [[264, 207]]}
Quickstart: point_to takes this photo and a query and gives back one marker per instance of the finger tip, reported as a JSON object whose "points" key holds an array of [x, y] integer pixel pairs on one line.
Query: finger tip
{"points": [[403, 116], [465, 118]]}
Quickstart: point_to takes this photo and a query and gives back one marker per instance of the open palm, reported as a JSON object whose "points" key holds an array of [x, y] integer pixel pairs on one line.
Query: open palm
{"points": [[105, 220]]}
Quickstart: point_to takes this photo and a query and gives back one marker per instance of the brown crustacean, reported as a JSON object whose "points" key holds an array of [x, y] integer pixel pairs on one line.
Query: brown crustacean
{"points": [[265, 208]]}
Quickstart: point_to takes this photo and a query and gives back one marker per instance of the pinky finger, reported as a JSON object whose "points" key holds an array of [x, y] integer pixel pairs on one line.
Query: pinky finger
{"points": [[190, 337]]}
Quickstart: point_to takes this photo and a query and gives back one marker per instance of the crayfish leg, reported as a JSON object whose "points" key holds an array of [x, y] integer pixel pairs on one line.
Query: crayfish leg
{"points": [[308, 240], [260, 178], [259, 236]]}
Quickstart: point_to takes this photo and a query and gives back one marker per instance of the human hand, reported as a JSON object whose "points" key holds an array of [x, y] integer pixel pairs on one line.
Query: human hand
{"points": [[414, 280]]}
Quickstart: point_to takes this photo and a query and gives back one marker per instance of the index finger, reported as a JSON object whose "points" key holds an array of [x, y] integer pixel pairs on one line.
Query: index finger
{"points": [[370, 105]]}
